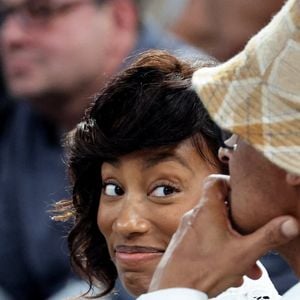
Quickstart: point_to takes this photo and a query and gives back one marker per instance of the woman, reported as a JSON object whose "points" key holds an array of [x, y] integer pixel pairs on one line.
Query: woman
{"points": [[137, 162]]}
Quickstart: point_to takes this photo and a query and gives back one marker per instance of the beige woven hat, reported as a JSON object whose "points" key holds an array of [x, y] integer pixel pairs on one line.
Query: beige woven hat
{"points": [[256, 94]]}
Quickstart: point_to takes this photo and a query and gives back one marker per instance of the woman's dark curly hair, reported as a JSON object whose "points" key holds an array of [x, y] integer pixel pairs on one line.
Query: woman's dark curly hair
{"points": [[149, 105]]}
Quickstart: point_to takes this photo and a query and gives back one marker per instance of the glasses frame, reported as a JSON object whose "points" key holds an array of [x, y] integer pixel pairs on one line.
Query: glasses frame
{"points": [[225, 136], [38, 12]]}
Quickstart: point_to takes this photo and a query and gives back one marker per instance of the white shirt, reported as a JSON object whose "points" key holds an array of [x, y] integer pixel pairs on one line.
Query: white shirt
{"points": [[250, 290], [293, 293]]}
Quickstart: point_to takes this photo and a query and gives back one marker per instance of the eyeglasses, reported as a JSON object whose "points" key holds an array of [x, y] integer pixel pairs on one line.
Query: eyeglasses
{"points": [[228, 140], [37, 12]]}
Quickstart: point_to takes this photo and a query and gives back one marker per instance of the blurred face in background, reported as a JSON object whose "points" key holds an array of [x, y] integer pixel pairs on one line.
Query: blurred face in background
{"points": [[143, 198], [52, 46], [239, 20], [222, 27]]}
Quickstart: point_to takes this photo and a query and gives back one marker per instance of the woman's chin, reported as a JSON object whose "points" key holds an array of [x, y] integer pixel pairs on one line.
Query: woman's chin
{"points": [[136, 277], [136, 284]]}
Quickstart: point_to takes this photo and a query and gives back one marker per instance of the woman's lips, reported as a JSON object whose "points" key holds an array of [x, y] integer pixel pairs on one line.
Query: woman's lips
{"points": [[132, 255]]}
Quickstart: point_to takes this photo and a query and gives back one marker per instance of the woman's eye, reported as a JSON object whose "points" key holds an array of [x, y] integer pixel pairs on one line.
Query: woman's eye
{"points": [[163, 191], [113, 190]]}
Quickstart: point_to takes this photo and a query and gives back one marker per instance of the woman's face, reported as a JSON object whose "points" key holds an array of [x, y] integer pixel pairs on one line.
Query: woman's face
{"points": [[143, 198]]}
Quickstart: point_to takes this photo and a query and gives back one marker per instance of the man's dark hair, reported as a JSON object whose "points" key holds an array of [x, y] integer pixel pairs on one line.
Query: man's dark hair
{"points": [[150, 105]]}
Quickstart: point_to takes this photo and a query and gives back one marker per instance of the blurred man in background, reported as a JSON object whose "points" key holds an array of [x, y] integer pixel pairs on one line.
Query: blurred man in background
{"points": [[55, 55]]}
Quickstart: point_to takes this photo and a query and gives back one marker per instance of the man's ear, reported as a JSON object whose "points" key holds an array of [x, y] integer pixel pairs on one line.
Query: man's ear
{"points": [[292, 179]]}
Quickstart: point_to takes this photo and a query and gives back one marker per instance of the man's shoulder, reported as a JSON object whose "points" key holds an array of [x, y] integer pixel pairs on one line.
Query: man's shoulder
{"points": [[17, 118], [7, 108]]}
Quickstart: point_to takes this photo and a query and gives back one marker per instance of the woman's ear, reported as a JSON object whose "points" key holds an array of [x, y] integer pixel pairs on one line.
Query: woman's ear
{"points": [[292, 179]]}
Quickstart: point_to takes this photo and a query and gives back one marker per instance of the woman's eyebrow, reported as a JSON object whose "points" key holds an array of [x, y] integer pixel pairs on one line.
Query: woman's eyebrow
{"points": [[115, 162], [157, 158]]}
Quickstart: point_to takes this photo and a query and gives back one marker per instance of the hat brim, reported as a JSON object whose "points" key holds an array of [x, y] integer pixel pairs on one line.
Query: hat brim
{"points": [[256, 94]]}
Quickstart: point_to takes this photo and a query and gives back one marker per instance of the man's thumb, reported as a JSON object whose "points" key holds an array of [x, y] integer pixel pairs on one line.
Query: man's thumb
{"points": [[275, 233], [289, 228]]}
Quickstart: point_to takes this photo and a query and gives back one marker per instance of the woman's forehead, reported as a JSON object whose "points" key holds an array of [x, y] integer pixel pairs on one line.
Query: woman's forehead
{"points": [[148, 158]]}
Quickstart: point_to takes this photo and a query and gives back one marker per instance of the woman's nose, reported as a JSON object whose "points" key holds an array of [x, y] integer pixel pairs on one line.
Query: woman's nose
{"points": [[131, 220]]}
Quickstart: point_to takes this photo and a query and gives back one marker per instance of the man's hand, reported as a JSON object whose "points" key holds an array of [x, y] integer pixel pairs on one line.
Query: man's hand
{"points": [[207, 254]]}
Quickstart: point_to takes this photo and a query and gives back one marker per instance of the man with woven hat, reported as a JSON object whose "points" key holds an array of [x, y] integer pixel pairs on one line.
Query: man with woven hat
{"points": [[255, 96]]}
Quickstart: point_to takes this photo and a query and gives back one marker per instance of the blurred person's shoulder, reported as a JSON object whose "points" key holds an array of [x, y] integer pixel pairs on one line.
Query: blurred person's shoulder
{"points": [[152, 36], [17, 116]]}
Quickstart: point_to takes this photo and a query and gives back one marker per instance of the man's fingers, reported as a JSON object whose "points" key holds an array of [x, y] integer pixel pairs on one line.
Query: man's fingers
{"points": [[212, 207], [254, 272], [216, 181], [277, 232]]}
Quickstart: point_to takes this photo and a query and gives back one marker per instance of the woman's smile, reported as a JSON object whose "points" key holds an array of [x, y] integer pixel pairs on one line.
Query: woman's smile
{"points": [[140, 155], [144, 194], [133, 256]]}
